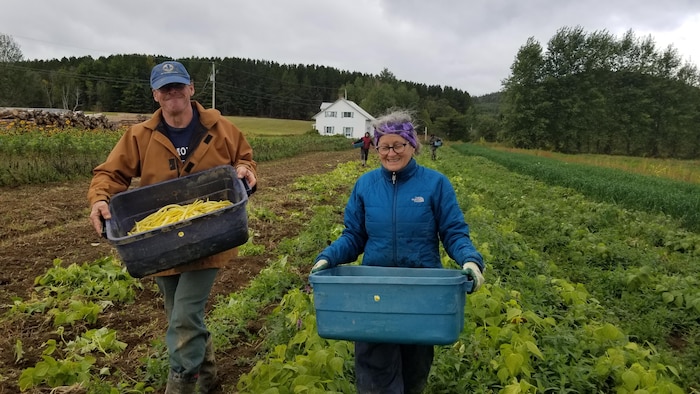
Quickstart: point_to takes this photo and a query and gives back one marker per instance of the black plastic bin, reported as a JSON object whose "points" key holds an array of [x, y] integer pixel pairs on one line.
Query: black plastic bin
{"points": [[172, 245]]}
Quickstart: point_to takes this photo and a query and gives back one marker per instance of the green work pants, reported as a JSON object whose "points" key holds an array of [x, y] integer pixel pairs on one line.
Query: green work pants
{"points": [[185, 297]]}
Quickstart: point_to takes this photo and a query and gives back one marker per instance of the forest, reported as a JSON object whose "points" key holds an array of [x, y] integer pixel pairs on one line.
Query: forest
{"points": [[593, 93], [585, 92]]}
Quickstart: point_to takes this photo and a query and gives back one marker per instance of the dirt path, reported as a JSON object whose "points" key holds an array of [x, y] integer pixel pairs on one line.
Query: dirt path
{"points": [[40, 223]]}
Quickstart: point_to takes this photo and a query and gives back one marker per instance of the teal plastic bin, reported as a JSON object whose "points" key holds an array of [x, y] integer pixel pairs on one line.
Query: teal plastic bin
{"points": [[390, 304]]}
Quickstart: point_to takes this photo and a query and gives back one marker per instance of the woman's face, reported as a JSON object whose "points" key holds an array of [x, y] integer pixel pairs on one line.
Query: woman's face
{"points": [[390, 159]]}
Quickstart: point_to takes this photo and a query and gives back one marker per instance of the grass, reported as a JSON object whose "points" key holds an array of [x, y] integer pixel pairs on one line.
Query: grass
{"points": [[679, 170], [677, 199], [270, 127], [251, 126]]}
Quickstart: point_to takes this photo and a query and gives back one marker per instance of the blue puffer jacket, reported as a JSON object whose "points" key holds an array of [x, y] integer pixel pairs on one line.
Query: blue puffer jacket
{"points": [[398, 219]]}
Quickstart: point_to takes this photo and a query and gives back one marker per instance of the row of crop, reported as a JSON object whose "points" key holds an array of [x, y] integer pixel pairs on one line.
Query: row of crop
{"points": [[542, 323], [641, 268], [533, 328], [77, 354], [73, 298], [646, 193], [38, 157]]}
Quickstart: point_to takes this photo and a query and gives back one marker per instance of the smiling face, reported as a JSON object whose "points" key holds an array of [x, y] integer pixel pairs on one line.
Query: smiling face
{"points": [[391, 160], [174, 98]]}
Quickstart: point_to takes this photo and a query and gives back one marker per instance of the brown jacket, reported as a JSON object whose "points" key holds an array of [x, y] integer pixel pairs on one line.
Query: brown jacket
{"points": [[145, 151]]}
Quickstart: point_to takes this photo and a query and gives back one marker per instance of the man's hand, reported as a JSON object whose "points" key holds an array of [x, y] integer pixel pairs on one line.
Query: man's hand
{"points": [[98, 214], [244, 173], [320, 265], [473, 272]]}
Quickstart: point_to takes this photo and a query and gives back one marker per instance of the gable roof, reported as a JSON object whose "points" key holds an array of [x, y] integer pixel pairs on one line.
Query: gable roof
{"points": [[325, 106]]}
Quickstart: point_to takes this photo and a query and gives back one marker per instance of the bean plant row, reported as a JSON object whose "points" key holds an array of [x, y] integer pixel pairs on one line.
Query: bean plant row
{"points": [[581, 296]]}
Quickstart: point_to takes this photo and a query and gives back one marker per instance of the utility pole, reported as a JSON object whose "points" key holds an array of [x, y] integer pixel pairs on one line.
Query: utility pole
{"points": [[213, 86]]}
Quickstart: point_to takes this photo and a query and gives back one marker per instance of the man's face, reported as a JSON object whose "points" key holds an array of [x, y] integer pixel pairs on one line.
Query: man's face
{"points": [[174, 97]]}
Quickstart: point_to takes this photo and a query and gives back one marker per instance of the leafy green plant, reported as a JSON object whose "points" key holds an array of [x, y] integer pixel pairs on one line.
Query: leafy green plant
{"points": [[103, 279], [156, 365], [249, 248], [54, 373], [306, 363], [103, 340], [76, 310]]}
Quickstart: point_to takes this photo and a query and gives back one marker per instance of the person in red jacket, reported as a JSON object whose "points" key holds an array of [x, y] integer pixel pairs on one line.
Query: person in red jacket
{"points": [[366, 142], [181, 138]]}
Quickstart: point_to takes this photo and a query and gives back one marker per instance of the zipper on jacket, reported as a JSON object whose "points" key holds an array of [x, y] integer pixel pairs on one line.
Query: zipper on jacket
{"points": [[393, 217]]}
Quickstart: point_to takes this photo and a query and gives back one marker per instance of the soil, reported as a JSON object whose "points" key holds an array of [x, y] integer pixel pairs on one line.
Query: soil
{"points": [[41, 223]]}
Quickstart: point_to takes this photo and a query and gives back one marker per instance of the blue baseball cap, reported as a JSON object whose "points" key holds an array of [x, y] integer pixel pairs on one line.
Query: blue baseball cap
{"points": [[169, 72]]}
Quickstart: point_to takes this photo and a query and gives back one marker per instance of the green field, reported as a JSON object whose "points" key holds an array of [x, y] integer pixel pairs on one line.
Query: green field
{"points": [[581, 296], [592, 281], [37, 155], [680, 170], [271, 127], [251, 126]]}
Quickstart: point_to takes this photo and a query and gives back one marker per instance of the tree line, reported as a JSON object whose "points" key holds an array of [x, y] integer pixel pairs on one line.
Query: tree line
{"points": [[235, 86], [586, 93], [593, 93]]}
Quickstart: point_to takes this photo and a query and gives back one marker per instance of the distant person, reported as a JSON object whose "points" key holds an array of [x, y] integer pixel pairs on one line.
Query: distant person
{"points": [[397, 215], [180, 138], [435, 142], [366, 142]]}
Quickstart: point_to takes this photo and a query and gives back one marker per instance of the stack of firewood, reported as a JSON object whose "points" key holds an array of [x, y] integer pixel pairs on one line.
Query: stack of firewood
{"points": [[56, 118]]}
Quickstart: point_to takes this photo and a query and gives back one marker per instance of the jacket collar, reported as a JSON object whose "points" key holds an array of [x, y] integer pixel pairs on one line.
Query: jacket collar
{"points": [[403, 173], [207, 117]]}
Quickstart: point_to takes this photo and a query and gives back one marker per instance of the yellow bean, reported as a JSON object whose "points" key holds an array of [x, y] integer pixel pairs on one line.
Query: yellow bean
{"points": [[173, 213]]}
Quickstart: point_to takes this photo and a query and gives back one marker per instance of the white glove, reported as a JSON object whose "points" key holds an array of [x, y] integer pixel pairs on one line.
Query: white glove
{"points": [[320, 265], [473, 272]]}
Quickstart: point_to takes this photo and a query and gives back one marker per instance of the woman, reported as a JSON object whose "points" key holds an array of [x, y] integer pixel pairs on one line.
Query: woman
{"points": [[366, 142], [396, 216]]}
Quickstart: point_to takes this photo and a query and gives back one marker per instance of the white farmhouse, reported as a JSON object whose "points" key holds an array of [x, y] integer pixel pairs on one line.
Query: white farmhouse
{"points": [[343, 117]]}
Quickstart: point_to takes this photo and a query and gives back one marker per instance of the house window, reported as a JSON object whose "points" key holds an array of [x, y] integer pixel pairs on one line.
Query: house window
{"points": [[331, 114], [328, 129], [347, 131], [347, 114]]}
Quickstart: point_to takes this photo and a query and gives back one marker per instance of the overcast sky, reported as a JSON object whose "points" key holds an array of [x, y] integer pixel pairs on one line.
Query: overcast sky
{"points": [[466, 44]]}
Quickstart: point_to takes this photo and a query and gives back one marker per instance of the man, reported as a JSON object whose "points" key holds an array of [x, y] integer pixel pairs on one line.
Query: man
{"points": [[179, 139], [435, 142]]}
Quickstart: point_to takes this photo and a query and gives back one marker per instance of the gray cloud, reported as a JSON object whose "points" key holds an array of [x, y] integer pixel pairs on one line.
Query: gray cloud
{"points": [[468, 45]]}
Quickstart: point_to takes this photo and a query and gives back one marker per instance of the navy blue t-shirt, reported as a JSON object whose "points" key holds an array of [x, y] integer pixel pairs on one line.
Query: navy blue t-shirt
{"points": [[181, 137]]}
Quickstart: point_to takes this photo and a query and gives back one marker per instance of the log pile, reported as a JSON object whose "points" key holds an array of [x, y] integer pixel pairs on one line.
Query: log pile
{"points": [[56, 118]]}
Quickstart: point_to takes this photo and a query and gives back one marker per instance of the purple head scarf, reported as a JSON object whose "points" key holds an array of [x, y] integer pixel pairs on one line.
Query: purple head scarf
{"points": [[405, 130]]}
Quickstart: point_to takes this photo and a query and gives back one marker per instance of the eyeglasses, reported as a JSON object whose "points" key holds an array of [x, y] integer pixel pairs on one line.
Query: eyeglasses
{"points": [[171, 86], [398, 148]]}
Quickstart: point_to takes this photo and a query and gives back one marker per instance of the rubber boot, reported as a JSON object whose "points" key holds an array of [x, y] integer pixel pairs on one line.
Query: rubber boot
{"points": [[178, 384], [207, 380]]}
